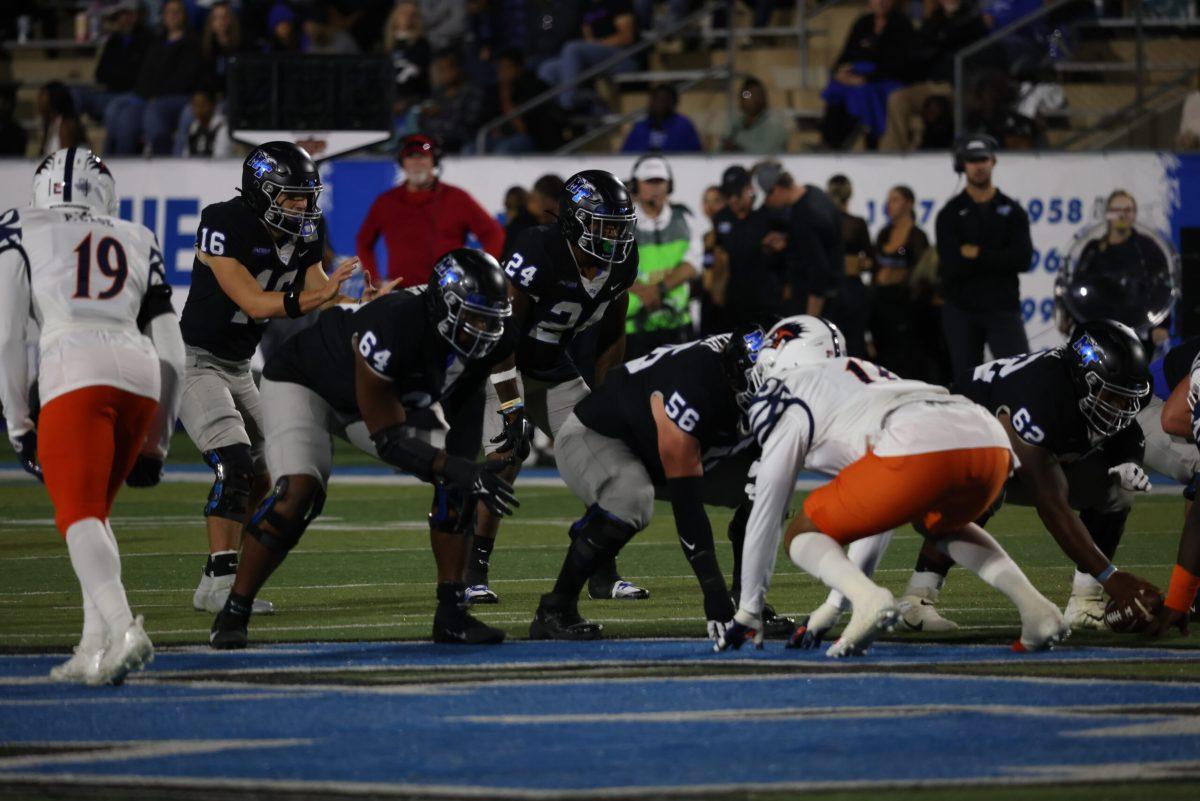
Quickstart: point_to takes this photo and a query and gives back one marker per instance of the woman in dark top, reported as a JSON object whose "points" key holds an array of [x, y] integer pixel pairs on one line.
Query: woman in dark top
{"points": [[870, 66], [221, 39], [898, 248], [404, 40]]}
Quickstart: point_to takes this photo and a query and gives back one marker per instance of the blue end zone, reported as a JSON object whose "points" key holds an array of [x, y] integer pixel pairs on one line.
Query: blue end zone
{"points": [[590, 736]]}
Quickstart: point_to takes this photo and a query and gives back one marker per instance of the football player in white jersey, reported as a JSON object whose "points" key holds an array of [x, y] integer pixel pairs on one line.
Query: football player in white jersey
{"points": [[900, 452], [111, 357]]}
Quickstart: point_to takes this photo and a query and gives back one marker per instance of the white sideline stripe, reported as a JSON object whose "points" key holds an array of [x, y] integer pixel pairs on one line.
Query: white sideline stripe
{"points": [[120, 751], [262, 695]]}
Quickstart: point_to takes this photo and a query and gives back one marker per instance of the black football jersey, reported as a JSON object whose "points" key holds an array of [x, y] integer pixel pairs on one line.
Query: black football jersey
{"points": [[539, 263], [396, 336], [210, 319], [695, 393]]}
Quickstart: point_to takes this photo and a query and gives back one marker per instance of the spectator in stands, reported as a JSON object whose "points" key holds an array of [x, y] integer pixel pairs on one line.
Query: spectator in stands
{"points": [[322, 37], [937, 117], [541, 130], [541, 206], [755, 129], [541, 30], [664, 129], [608, 27], [751, 271], [120, 60], [220, 40], [422, 218], [453, 112], [870, 66], [708, 291], [13, 139], [856, 238], [983, 245], [515, 200], [61, 126], [812, 226], [283, 35], [170, 73], [1188, 137], [899, 247], [951, 26], [208, 132], [411, 54], [670, 256], [445, 22]]}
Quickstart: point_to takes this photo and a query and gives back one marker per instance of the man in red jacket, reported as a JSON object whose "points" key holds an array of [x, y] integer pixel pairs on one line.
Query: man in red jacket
{"points": [[422, 218]]}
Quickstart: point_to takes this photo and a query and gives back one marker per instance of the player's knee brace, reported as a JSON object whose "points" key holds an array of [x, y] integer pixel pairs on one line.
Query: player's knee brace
{"points": [[287, 514], [599, 534], [452, 512], [233, 469]]}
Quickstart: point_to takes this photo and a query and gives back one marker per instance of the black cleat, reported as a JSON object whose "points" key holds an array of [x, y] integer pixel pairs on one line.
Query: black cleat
{"points": [[555, 623], [776, 627], [454, 625], [228, 632]]}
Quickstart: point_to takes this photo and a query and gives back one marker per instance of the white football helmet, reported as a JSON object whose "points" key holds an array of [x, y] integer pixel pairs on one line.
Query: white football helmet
{"points": [[75, 176], [797, 341]]}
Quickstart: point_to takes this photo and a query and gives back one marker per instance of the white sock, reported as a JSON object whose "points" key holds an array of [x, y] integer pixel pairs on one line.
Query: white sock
{"points": [[1085, 584], [978, 552], [867, 553], [819, 555], [923, 582], [98, 566], [95, 634]]}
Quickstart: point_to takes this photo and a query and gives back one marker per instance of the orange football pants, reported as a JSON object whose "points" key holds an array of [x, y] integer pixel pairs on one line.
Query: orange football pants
{"points": [[88, 441], [944, 491]]}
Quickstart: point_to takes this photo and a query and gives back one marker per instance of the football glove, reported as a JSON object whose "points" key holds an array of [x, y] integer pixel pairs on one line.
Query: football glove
{"points": [[26, 447], [744, 628], [516, 436], [147, 472], [752, 481], [1130, 477], [717, 629], [480, 481]]}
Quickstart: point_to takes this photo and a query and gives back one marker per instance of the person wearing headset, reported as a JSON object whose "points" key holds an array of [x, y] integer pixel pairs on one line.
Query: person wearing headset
{"points": [[422, 218], [671, 255], [983, 244]]}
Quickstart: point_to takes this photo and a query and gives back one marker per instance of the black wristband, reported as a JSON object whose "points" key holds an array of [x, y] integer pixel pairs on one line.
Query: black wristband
{"points": [[410, 454], [291, 303]]}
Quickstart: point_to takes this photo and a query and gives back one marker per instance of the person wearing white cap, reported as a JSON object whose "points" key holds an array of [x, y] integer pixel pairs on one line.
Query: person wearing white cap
{"points": [[671, 252]]}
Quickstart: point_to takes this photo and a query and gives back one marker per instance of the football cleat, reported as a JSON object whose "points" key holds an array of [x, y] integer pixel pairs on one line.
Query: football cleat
{"points": [[812, 631], [737, 634], [127, 651], [455, 626], [1085, 609], [869, 620], [776, 627], [920, 613], [480, 594], [556, 623], [619, 590], [83, 666], [228, 632], [213, 591], [1042, 629]]}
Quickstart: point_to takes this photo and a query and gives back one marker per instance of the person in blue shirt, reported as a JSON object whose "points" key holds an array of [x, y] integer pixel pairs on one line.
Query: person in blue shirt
{"points": [[664, 129]]}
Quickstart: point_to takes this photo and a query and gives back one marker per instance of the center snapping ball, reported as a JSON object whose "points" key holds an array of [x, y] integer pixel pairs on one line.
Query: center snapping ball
{"points": [[1134, 615]]}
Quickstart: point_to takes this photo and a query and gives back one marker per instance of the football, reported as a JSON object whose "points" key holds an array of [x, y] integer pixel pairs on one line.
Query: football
{"points": [[1132, 616]]}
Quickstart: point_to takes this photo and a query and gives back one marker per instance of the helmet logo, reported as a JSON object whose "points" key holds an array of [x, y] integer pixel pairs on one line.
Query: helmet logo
{"points": [[83, 186], [448, 272], [580, 188], [790, 331], [1089, 352], [754, 343], [261, 163]]}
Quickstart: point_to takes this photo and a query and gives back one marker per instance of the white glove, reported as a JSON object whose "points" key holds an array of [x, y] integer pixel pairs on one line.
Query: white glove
{"points": [[752, 481], [1131, 477], [717, 628]]}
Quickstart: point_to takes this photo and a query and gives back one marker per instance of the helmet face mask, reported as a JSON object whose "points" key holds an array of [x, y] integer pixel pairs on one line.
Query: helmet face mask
{"points": [[1109, 408], [607, 237], [741, 357], [473, 314], [300, 222], [1111, 377]]}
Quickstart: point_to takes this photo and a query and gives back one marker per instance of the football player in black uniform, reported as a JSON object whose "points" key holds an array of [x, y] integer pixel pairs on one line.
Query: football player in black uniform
{"points": [[1070, 415], [671, 424], [563, 280], [373, 376], [258, 256]]}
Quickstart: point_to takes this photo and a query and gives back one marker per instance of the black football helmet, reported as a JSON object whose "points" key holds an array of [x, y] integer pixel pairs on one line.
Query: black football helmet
{"points": [[469, 294], [275, 169], [738, 357], [1110, 372], [596, 213]]}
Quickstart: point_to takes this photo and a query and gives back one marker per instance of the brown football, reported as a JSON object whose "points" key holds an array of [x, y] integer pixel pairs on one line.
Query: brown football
{"points": [[1134, 615]]}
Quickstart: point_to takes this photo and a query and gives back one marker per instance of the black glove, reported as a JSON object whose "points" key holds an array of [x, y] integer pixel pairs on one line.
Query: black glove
{"points": [[26, 447], [147, 472], [516, 436], [480, 480]]}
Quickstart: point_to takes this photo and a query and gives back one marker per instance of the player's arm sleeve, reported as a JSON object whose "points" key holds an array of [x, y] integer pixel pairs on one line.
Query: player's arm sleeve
{"points": [[14, 311], [158, 321], [783, 454], [611, 338]]}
